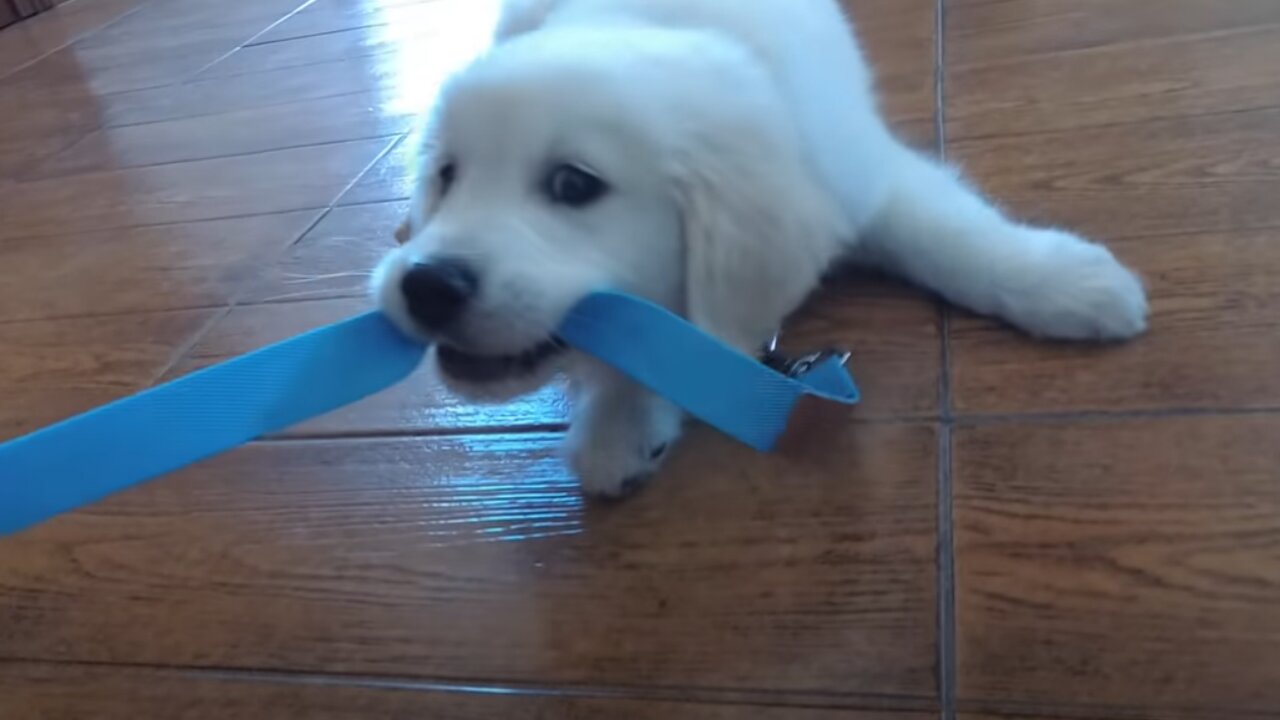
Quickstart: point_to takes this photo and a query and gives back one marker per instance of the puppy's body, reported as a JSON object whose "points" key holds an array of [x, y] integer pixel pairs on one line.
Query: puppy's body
{"points": [[728, 153]]}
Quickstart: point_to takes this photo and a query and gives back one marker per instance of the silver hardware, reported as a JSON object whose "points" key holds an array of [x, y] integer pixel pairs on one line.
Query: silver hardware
{"points": [[795, 367]]}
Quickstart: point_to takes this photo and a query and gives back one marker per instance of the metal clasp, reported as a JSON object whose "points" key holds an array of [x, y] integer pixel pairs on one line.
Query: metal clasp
{"points": [[795, 367]]}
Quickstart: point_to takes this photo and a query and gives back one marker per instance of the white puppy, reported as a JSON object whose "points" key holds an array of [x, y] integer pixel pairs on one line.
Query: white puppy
{"points": [[714, 156]]}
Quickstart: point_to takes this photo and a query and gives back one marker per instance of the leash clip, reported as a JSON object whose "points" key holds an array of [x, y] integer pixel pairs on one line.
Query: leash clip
{"points": [[797, 367]]}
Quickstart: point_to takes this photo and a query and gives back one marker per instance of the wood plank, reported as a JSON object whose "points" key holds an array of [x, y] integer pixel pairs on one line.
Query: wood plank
{"points": [[137, 270], [217, 95], [335, 259], [342, 118], [901, 42], [50, 370], [1201, 73], [54, 30], [388, 180], [475, 557], [1198, 174], [1129, 564], [51, 691], [1214, 340], [271, 182], [982, 31], [382, 44], [333, 16]]}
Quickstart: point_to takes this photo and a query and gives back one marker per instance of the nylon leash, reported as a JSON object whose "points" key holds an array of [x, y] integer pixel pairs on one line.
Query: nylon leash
{"points": [[88, 457]]}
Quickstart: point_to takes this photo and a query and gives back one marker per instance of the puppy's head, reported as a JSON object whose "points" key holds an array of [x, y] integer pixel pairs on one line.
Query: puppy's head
{"points": [[653, 162]]}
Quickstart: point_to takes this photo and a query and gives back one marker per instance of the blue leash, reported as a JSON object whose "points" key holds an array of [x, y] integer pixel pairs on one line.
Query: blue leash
{"points": [[85, 458]]}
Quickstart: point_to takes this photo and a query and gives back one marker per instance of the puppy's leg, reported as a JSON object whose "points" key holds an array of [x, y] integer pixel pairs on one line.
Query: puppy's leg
{"points": [[619, 432], [939, 233]]}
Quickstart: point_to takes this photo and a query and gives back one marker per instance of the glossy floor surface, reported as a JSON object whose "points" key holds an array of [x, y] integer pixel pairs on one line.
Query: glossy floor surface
{"points": [[1004, 529]]}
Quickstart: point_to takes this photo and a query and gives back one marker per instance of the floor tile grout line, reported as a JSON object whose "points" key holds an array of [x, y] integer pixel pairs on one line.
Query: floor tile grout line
{"points": [[306, 36], [692, 695], [240, 292], [246, 43], [1135, 43], [28, 178], [945, 585], [420, 433], [1078, 416], [1019, 710], [983, 137], [217, 113], [187, 348], [172, 223]]}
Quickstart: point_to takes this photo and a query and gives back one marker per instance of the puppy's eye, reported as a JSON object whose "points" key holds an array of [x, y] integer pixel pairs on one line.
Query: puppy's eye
{"points": [[446, 175], [573, 186]]}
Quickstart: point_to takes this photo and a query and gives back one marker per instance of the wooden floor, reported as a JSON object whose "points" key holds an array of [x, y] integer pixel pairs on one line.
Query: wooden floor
{"points": [[1005, 529]]}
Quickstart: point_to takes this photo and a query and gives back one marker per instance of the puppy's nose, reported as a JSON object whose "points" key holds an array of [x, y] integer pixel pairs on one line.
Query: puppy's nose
{"points": [[437, 292]]}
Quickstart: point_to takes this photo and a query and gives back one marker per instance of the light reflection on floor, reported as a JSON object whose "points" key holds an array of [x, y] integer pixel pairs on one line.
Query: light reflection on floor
{"points": [[419, 65]]}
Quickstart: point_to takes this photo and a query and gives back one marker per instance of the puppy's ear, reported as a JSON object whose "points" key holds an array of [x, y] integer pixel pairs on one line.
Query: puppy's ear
{"points": [[759, 234]]}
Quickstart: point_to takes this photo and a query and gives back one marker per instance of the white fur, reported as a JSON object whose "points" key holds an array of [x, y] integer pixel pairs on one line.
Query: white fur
{"points": [[745, 154]]}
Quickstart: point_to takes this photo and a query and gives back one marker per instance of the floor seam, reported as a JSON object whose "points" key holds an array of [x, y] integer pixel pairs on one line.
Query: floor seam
{"points": [[28, 178], [946, 662], [1088, 128], [780, 698]]}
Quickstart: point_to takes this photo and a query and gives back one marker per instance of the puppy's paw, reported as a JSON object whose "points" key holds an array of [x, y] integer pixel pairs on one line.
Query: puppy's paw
{"points": [[1081, 292], [614, 453]]}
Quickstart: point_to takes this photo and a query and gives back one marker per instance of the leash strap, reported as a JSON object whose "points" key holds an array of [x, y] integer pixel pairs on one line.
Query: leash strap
{"points": [[734, 393], [83, 459]]}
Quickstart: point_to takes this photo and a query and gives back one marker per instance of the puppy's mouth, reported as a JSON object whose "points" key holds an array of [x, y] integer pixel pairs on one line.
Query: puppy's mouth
{"points": [[478, 368]]}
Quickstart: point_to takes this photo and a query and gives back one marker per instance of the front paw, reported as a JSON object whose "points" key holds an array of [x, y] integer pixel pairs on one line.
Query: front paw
{"points": [[614, 457], [1086, 293]]}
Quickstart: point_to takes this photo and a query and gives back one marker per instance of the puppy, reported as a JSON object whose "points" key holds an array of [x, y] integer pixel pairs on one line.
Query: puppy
{"points": [[713, 156]]}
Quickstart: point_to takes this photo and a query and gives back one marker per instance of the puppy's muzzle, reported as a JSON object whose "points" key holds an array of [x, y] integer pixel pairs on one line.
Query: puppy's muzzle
{"points": [[436, 293]]}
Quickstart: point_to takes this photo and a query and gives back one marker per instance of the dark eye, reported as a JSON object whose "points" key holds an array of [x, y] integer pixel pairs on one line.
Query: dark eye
{"points": [[573, 186], [446, 175]]}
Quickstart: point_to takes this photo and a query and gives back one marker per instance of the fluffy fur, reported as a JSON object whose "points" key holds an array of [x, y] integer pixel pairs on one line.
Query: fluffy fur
{"points": [[745, 154]]}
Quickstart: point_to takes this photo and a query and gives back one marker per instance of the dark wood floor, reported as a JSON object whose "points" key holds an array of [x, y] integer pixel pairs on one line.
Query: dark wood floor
{"points": [[1005, 529]]}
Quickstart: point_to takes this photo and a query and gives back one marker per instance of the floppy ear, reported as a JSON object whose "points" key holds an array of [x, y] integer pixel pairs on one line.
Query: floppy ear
{"points": [[759, 234]]}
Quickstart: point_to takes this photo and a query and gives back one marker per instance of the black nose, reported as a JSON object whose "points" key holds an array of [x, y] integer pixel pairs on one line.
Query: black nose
{"points": [[437, 292]]}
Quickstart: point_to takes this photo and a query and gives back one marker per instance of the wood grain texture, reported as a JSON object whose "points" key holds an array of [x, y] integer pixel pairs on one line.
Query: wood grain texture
{"points": [[1214, 341], [475, 557], [52, 369], [31, 692], [217, 95], [981, 31], [893, 334], [390, 179], [333, 16], [1207, 173], [304, 123], [272, 182], [383, 45], [135, 270], [900, 40], [335, 259], [1130, 564], [1195, 74]]}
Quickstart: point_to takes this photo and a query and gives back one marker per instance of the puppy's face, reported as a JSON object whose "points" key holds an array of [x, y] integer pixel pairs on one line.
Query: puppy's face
{"points": [[659, 164], [536, 190]]}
